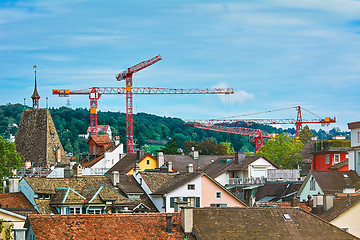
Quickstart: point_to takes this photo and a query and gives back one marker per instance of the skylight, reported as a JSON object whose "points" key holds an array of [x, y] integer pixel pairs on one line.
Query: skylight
{"points": [[345, 176], [287, 217]]}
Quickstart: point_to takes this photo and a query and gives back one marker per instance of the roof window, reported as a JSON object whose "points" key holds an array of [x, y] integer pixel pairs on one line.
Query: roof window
{"points": [[287, 217], [345, 175]]}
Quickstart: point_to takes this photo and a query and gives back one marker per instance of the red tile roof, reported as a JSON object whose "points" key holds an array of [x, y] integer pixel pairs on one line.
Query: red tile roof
{"points": [[17, 203], [100, 139], [106, 226]]}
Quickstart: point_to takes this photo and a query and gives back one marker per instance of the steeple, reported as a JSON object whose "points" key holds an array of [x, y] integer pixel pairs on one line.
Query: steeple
{"points": [[35, 97]]}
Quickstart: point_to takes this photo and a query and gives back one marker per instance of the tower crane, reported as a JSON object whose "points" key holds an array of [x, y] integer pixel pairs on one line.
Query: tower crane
{"points": [[94, 94], [257, 134], [298, 122]]}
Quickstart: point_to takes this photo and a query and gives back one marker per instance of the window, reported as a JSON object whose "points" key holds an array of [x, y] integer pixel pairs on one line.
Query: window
{"points": [[312, 184], [327, 159], [75, 210], [358, 137], [43, 196], [336, 158], [52, 136], [172, 202], [218, 205], [147, 162], [218, 195], [287, 217], [346, 229], [95, 211], [191, 186]]}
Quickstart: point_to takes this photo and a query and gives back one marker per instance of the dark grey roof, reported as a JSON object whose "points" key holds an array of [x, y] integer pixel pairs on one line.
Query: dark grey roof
{"points": [[163, 183], [181, 161], [339, 165], [262, 223], [125, 164], [129, 185], [336, 181], [341, 204], [276, 189]]}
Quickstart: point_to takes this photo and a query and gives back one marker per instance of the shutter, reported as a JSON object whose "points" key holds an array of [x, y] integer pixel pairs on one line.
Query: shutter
{"points": [[67, 210], [197, 202], [172, 202], [185, 199], [83, 210]]}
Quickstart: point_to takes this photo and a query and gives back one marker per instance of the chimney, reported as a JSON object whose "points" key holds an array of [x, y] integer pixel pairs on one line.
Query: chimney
{"points": [[58, 155], [168, 223], [115, 178], [239, 157], [178, 205], [252, 201], [140, 154], [187, 219], [169, 166], [68, 172], [160, 159], [136, 169], [27, 165], [117, 140], [77, 168], [190, 168], [14, 185], [328, 201], [294, 202], [194, 154], [19, 233], [318, 204]]}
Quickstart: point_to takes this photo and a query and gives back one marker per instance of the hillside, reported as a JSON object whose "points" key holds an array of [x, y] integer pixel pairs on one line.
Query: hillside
{"points": [[71, 122]]}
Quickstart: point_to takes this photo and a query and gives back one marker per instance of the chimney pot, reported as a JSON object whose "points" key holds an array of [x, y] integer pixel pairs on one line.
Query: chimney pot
{"points": [[239, 157], [169, 165], [168, 223], [190, 168]]}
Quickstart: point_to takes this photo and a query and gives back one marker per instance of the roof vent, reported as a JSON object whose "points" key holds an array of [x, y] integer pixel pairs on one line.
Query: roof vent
{"points": [[287, 217], [345, 175]]}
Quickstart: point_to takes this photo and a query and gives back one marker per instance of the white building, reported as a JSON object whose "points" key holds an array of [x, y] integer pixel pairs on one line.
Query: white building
{"points": [[354, 154]]}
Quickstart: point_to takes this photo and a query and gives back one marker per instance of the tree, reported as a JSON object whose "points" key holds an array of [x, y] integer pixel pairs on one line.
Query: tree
{"points": [[170, 147], [283, 151], [10, 159], [306, 134], [229, 148]]}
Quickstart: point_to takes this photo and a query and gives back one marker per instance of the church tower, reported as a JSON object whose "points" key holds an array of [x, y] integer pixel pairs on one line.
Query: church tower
{"points": [[35, 97]]}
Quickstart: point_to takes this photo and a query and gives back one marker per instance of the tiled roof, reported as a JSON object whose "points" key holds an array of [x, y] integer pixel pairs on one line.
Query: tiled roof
{"points": [[162, 183], [341, 204], [179, 162], [128, 185], [336, 181], [106, 226], [100, 139], [16, 202], [126, 163], [262, 223], [339, 165], [276, 189]]}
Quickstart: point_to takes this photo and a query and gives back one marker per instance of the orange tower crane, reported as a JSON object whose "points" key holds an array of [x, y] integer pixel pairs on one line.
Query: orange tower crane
{"points": [[94, 94], [256, 134], [298, 122]]}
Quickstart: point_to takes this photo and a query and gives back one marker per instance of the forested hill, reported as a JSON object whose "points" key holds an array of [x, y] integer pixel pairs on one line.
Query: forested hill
{"points": [[71, 122]]}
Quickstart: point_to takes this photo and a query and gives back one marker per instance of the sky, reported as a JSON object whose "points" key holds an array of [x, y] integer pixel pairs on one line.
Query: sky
{"points": [[275, 54]]}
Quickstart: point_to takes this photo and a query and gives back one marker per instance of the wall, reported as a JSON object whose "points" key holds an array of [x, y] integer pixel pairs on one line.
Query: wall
{"points": [[319, 161], [208, 194], [8, 219], [223, 179], [305, 191], [354, 138], [110, 158], [349, 219], [143, 164], [259, 165]]}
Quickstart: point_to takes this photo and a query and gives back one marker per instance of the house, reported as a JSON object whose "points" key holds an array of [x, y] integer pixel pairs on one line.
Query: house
{"points": [[307, 155], [101, 128], [169, 189], [127, 163], [16, 202], [234, 169], [107, 159], [258, 224], [107, 226], [77, 194], [8, 219], [328, 182], [354, 153], [331, 155], [343, 213], [98, 144]]}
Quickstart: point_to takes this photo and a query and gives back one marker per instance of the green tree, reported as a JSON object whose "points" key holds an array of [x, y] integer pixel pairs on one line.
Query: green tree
{"points": [[306, 134], [10, 159], [283, 151], [170, 147], [229, 148]]}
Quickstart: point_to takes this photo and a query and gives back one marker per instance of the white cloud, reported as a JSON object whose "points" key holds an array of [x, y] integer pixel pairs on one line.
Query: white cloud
{"points": [[239, 97]]}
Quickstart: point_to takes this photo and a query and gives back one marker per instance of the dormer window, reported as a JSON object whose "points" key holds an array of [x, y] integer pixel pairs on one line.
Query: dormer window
{"points": [[44, 196]]}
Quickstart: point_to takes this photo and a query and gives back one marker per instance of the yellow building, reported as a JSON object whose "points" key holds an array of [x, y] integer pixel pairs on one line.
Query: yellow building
{"points": [[148, 162], [9, 218]]}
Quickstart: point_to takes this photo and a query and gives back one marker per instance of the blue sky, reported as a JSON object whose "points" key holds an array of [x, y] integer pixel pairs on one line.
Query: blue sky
{"points": [[275, 54]]}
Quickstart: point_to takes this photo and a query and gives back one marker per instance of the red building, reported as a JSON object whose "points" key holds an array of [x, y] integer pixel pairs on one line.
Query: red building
{"points": [[98, 144], [330, 156]]}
